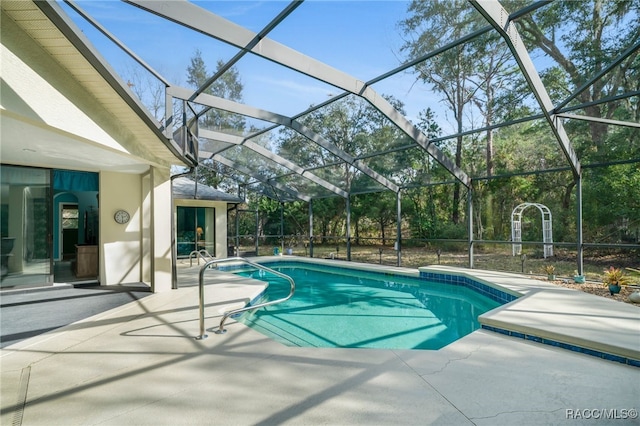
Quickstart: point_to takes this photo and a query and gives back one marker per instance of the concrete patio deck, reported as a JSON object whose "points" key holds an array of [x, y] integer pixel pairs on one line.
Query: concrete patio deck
{"points": [[140, 365]]}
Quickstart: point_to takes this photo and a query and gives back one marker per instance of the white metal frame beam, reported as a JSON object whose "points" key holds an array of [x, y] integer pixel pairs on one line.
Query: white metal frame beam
{"points": [[205, 22], [498, 17], [599, 120], [256, 39], [237, 140], [246, 171], [249, 111]]}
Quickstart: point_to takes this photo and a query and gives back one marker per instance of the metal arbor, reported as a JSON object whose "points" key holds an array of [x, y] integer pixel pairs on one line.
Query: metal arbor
{"points": [[516, 228]]}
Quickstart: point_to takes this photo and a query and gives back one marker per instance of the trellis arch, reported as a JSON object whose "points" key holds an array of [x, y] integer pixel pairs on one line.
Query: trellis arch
{"points": [[516, 228]]}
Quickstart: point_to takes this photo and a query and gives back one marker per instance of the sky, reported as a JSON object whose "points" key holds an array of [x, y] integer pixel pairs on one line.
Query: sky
{"points": [[360, 38]]}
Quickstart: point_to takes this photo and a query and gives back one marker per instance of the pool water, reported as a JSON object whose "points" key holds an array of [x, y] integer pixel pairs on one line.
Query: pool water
{"points": [[365, 310]]}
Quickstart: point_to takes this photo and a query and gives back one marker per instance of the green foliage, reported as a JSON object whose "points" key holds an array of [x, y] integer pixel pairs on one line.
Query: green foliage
{"points": [[615, 276], [613, 201], [227, 86], [521, 163], [452, 231], [586, 36]]}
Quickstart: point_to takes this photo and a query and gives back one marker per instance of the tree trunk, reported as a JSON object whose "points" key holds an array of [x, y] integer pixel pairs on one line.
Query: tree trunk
{"points": [[490, 166], [598, 131], [455, 214], [324, 228], [566, 200]]}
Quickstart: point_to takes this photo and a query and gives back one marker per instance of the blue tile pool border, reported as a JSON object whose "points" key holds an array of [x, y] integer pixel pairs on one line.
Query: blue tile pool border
{"points": [[567, 346], [493, 293]]}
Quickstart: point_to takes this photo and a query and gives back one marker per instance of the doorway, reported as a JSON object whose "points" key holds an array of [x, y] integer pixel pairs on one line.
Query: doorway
{"points": [[44, 215], [76, 226], [69, 230]]}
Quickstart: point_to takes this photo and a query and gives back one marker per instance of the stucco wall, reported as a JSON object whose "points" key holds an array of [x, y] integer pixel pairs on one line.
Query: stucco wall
{"points": [[160, 183], [221, 229], [120, 257]]}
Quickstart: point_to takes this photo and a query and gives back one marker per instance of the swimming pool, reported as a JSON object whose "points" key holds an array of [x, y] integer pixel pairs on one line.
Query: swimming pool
{"points": [[336, 307]]}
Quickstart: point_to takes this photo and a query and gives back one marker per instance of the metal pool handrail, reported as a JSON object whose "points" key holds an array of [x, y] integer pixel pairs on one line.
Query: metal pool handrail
{"points": [[227, 314], [202, 253]]}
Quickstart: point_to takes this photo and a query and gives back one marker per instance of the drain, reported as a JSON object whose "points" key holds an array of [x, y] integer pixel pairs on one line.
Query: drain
{"points": [[22, 396]]}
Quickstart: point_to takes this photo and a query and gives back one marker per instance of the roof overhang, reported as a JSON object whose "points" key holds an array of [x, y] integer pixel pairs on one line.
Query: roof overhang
{"points": [[186, 189], [30, 140]]}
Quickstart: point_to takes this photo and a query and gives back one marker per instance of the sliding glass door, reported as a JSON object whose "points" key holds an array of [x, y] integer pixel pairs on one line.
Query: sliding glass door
{"points": [[25, 225], [195, 230]]}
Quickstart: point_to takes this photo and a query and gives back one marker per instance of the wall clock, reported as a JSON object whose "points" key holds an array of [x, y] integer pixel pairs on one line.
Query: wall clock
{"points": [[121, 216]]}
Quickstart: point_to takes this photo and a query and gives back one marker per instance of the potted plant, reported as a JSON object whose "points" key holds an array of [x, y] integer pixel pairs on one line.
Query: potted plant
{"points": [[614, 278], [578, 279], [551, 272], [289, 245]]}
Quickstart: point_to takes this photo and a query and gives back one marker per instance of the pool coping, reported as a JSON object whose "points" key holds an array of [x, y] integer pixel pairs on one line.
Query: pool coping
{"points": [[533, 310], [86, 372]]}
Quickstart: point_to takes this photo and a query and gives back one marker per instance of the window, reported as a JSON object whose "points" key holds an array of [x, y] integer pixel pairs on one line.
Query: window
{"points": [[69, 217]]}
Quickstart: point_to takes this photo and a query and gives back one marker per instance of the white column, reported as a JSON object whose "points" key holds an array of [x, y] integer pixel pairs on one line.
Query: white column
{"points": [[160, 230]]}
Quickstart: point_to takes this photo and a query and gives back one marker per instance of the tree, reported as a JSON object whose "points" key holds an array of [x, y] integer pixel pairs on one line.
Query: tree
{"points": [[327, 213], [268, 214], [148, 89], [228, 86], [583, 38], [428, 202], [449, 72]]}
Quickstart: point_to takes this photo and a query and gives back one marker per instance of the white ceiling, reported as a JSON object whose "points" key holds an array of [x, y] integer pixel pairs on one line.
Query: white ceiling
{"points": [[47, 147]]}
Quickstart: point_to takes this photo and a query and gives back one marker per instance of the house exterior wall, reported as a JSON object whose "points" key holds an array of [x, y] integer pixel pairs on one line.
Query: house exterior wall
{"points": [[46, 109], [161, 258], [120, 259], [139, 250]]}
